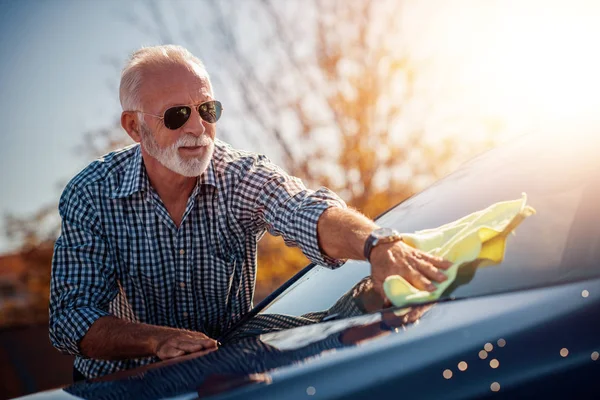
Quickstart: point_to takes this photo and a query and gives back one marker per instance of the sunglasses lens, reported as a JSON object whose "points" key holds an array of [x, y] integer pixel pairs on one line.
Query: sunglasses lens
{"points": [[210, 111], [177, 116]]}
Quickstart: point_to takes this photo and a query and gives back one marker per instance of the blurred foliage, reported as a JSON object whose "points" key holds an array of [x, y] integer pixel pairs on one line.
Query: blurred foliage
{"points": [[25, 301], [326, 95]]}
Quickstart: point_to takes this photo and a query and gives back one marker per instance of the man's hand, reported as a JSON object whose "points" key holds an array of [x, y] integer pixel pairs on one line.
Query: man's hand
{"points": [[417, 267], [112, 338], [342, 234], [179, 342]]}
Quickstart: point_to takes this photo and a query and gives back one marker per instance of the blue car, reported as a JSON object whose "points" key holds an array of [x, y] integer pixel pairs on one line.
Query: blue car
{"points": [[528, 327]]}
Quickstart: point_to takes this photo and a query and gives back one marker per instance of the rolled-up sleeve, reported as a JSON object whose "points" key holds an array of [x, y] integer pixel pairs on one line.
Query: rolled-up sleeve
{"points": [[82, 283], [269, 198]]}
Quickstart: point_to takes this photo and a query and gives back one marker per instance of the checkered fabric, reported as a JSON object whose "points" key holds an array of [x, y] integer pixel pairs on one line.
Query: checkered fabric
{"points": [[235, 363], [120, 253], [348, 306]]}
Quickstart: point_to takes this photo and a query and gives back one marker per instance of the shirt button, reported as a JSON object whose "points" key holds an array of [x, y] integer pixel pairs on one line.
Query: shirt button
{"points": [[182, 284], [185, 314], [182, 251]]}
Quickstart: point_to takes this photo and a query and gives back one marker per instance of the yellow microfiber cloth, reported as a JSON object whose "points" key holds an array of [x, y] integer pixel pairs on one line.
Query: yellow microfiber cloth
{"points": [[478, 236]]}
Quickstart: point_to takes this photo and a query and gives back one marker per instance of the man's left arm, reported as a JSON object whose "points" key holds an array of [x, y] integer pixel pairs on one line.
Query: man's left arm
{"points": [[266, 197], [320, 224], [342, 233]]}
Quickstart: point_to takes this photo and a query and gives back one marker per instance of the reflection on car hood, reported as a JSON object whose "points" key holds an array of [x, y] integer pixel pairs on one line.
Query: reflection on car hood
{"points": [[296, 338], [372, 346], [236, 364]]}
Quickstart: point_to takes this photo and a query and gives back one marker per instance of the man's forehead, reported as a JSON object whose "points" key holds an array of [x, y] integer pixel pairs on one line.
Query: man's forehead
{"points": [[177, 75], [176, 85]]}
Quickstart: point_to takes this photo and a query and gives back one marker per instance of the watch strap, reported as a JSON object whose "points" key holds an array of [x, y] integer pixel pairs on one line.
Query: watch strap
{"points": [[369, 246], [375, 239]]}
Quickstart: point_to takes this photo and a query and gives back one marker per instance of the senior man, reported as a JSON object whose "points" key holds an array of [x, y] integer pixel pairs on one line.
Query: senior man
{"points": [[157, 252]]}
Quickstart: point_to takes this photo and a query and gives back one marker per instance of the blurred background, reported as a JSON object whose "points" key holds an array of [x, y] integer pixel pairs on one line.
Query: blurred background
{"points": [[373, 99]]}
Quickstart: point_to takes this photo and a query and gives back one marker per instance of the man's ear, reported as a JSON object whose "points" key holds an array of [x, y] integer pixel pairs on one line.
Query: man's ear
{"points": [[130, 123]]}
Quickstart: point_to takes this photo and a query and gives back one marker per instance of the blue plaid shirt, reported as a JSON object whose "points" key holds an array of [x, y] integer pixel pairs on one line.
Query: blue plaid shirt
{"points": [[121, 254]]}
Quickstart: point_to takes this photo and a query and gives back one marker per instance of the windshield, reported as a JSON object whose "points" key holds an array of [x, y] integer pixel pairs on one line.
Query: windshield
{"points": [[560, 176]]}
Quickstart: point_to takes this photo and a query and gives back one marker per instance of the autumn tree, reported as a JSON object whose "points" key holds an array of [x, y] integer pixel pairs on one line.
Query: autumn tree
{"points": [[324, 88]]}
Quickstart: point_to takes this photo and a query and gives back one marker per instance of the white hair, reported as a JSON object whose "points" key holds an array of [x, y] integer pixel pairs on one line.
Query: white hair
{"points": [[146, 58]]}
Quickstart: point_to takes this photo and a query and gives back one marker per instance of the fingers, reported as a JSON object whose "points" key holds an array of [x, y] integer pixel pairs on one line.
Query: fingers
{"points": [[209, 343], [428, 270], [170, 351], [405, 270], [167, 352], [417, 279], [386, 302], [190, 347], [184, 344], [199, 339], [416, 313], [429, 267], [437, 262], [420, 269]]}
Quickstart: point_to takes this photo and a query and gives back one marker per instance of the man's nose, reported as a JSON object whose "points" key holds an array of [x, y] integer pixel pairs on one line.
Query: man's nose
{"points": [[194, 125]]}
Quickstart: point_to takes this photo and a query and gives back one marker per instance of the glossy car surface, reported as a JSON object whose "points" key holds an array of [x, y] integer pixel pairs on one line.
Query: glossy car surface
{"points": [[527, 327]]}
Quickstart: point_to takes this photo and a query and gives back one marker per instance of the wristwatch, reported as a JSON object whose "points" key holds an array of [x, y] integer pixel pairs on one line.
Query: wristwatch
{"points": [[379, 236]]}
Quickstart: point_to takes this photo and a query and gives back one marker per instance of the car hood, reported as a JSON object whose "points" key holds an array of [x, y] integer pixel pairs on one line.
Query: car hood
{"points": [[239, 363], [296, 356]]}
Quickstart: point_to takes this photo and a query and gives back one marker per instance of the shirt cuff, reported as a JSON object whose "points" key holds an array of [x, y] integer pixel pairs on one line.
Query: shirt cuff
{"points": [[72, 326], [306, 226]]}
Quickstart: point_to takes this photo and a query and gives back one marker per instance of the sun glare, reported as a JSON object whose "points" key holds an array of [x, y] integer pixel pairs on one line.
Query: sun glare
{"points": [[530, 64], [542, 66]]}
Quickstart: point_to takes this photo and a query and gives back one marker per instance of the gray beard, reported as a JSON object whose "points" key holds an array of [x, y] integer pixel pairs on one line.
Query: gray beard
{"points": [[170, 158]]}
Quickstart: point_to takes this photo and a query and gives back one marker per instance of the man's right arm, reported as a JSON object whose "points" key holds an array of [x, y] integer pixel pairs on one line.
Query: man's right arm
{"points": [[83, 284], [112, 338]]}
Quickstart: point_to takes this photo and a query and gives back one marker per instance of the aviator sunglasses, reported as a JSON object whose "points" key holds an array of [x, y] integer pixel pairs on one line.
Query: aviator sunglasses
{"points": [[176, 117]]}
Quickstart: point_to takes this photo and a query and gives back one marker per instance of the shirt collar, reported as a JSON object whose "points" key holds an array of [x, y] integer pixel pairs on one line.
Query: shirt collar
{"points": [[208, 177], [136, 180]]}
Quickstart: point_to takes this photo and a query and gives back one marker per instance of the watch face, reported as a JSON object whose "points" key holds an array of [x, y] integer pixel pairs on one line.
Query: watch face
{"points": [[384, 232]]}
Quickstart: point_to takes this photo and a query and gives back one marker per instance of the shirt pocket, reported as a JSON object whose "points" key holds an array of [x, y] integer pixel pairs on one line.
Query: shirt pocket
{"points": [[145, 264]]}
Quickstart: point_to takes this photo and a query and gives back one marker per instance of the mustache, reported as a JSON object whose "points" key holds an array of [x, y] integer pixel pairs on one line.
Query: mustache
{"points": [[184, 141], [191, 141]]}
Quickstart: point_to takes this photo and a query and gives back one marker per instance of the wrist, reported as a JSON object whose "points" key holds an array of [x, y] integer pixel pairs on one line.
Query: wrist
{"points": [[378, 238], [381, 251]]}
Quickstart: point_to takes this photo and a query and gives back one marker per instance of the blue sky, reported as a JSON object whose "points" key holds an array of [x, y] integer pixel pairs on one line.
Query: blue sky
{"points": [[56, 85], [54, 88], [531, 64]]}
